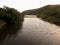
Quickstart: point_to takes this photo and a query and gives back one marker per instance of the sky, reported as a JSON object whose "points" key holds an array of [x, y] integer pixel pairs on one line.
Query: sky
{"points": [[22, 5]]}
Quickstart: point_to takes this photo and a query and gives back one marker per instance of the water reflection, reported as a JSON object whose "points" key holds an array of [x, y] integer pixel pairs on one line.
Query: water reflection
{"points": [[34, 32], [9, 31]]}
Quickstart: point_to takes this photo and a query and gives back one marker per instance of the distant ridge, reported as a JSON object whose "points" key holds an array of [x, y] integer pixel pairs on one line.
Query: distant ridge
{"points": [[40, 10]]}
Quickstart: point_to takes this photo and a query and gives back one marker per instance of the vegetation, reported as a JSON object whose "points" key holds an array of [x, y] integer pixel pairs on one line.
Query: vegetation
{"points": [[35, 11], [50, 13], [11, 15], [29, 12]]}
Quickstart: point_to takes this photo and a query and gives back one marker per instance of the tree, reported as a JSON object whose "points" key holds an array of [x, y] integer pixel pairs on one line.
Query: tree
{"points": [[11, 15]]}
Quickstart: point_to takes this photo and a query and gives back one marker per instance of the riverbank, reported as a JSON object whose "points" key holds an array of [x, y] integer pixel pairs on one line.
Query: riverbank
{"points": [[50, 18], [2, 25], [10, 16], [34, 32], [51, 14]]}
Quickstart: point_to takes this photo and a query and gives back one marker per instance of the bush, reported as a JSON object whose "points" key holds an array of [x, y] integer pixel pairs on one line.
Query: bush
{"points": [[11, 15]]}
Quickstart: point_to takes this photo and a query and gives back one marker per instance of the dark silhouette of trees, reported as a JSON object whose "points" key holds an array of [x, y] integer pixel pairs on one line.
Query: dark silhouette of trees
{"points": [[11, 15]]}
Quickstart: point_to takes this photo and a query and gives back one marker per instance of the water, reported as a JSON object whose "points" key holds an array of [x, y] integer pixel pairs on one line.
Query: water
{"points": [[34, 32]]}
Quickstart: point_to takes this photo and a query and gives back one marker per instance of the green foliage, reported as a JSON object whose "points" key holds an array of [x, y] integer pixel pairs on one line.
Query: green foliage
{"points": [[11, 15], [52, 14]]}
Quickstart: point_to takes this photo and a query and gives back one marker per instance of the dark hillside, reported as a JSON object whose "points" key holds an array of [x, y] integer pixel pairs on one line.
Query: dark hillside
{"points": [[50, 13]]}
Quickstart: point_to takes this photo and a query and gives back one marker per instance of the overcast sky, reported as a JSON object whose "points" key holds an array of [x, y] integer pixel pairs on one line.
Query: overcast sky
{"points": [[22, 5]]}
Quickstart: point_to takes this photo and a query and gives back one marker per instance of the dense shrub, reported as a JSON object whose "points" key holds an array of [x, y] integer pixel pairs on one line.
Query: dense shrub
{"points": [[11, 15]]}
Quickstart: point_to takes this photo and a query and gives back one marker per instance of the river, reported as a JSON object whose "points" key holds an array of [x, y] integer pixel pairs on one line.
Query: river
{"points": [[34, 32]]}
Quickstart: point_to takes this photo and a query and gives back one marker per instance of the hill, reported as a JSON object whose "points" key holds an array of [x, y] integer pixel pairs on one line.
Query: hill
{"points": [[40, 10], [50, 13]]}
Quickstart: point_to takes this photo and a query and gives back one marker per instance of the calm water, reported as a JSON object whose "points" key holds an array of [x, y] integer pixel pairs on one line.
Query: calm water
{"points": [[33, 32]]}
